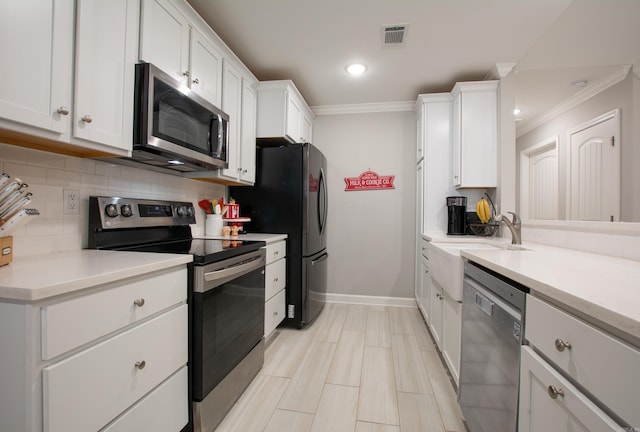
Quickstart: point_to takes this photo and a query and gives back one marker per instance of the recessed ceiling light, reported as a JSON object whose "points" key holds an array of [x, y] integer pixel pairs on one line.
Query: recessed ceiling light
{"points": [[580, 83], [356, 68], [516, 111], [175, 162]]}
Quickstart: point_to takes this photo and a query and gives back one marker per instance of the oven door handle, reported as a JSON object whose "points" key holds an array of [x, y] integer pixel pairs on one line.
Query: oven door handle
{"points": [[232, 272]]}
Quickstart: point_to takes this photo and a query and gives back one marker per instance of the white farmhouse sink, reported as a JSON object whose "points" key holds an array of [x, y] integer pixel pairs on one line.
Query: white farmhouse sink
{"points": [[447, 267]]}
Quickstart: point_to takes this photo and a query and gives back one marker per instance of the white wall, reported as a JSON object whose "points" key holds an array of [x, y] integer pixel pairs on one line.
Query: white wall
{"points": [[48, 174], [371, 234]]}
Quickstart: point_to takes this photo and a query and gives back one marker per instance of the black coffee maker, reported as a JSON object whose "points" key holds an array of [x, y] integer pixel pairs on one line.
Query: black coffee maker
{"points": [[457, 212]]}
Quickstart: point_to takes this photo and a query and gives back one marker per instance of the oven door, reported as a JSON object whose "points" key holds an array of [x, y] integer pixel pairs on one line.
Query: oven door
{"points": [[227, 317]]}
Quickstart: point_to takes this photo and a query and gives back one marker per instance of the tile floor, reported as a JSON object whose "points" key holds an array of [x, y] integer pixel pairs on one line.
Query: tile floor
{"points": [[355, 369]]}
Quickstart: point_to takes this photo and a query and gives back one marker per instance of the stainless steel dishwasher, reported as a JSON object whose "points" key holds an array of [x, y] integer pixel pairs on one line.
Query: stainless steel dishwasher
{"points": [[492, 333]]}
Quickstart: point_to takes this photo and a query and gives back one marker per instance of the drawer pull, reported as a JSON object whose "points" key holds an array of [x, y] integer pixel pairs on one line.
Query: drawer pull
{"points": [[275, 279], [139, 302], [561, 345], [275, 252], [554, 392], [141, 364], [275, 313]]}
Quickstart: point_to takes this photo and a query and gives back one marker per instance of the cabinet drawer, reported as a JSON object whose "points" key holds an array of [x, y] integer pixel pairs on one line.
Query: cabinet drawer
{"points": [[275, 278], [89, 389], [606, 367], [548, 402], [424, 248], [72, 323], [274, 312], [276, 251], [152, 412]]}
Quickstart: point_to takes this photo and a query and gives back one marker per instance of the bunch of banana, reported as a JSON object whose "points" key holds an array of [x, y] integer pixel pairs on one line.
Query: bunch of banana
{"points": [[483, 210]]}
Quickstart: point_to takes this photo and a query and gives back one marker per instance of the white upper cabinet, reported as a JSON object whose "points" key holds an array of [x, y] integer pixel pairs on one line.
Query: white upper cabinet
{"points": [[239, 102], [283, 113], [36, 46], [170, 41], [39, 74], [103, 96], [206, 75], [248, 136], [474, 133]]}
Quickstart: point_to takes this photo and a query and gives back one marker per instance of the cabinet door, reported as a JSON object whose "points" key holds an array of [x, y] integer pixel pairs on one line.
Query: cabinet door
{"points": [[455, 135], [426, 293], [420, 215], [306, 128], [36, 47], [205, 77], [164, 38], [548, 402], [248, 133], [437, 307], [420, 145], [294, 113], [104, 71], [452, 328], [231, 104]]}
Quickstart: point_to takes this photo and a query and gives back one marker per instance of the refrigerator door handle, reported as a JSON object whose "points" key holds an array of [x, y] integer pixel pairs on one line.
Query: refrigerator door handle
{"points": [[322, 257], [322, 202]]}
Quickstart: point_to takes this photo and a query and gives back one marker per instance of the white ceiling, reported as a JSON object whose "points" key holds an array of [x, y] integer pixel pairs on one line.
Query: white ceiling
{"points": [[311, 42]]}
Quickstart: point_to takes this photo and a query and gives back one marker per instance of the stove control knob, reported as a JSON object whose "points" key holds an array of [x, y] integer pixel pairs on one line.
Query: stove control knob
{"points": [[111, 210], [126, 211], [185, 211]]}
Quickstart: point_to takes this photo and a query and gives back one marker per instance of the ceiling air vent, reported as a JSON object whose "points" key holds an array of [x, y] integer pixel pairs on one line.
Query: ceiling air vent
{"points": [[394, 35]]}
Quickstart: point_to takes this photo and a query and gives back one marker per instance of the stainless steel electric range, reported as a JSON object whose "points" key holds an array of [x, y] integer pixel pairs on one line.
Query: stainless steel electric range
{"points": [[226, 295]]}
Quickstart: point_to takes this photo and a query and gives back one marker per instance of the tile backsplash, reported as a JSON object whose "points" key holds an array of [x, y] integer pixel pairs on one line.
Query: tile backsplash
{"points": [[48, 174]]}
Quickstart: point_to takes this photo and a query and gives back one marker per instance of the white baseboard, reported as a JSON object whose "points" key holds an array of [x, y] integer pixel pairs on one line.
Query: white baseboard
{"points": [[371, 300]]}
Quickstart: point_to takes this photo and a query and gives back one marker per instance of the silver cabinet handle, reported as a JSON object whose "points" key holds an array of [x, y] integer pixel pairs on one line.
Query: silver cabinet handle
{"points": [[275, 279], [554, 392], [196, 81], [63, 110], [185, 73], [139, 302], [275, 313], [141, 364], [275, 252], [87, 118], [561, 345]]}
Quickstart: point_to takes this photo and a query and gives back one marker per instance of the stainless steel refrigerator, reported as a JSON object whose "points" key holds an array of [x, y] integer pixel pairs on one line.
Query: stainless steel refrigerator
{"points": [[290, 196]]}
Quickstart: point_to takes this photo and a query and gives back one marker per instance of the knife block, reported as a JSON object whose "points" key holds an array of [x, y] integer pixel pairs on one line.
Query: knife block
{"points": [[6, 250]]}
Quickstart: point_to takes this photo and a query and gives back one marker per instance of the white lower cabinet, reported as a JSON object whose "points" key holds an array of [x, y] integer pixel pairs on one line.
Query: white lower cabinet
{"points": [[149, 413], [88, 390], [452, 335], [113, 356], [548, 402], [275, 282], [437, 312], [585, 374]]}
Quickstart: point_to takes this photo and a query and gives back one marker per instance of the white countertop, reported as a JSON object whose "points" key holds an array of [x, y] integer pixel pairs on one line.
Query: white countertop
{"points": [[267, 238], [33, 278], [602, 289]]}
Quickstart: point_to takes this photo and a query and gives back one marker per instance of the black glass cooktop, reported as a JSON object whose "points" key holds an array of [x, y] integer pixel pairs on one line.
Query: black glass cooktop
{"points": [[204, 251]]}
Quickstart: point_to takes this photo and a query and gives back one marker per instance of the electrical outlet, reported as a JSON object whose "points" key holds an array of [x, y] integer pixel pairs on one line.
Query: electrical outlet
{"points": [[71, 201]]}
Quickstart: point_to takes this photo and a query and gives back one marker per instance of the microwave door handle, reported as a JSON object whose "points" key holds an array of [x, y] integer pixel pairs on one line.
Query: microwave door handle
{"points": [[220, 133]]}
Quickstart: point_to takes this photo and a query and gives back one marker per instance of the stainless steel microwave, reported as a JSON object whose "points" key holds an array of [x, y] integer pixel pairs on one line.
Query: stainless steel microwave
{"points": [[173, 127]]}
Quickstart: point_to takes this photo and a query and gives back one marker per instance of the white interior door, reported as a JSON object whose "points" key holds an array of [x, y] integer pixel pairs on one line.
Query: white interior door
{"points": [[539, 180], [594, 170]]}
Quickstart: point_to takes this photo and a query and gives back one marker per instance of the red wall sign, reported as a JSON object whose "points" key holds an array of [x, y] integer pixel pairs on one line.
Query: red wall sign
{"points": [[369, 180]]}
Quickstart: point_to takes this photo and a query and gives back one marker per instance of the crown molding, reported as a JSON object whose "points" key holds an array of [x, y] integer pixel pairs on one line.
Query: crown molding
{"points": [[573, 101], [320, 110]]}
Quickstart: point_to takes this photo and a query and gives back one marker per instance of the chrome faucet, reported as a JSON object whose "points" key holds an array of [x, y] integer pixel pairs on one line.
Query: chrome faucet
{"points": [[514, 227]]}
